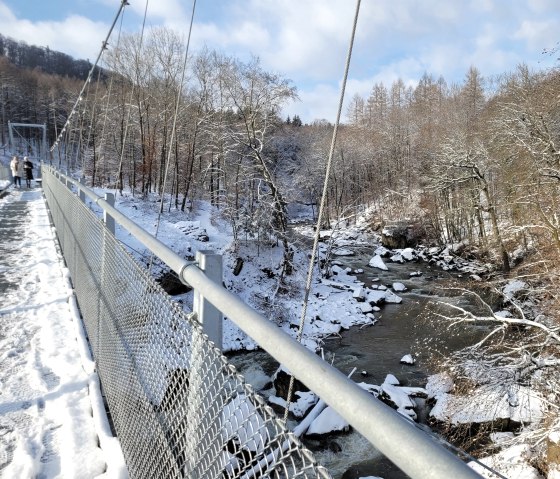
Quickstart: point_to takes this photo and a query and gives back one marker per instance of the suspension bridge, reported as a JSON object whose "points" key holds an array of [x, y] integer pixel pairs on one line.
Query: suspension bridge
{"points": [[178, 407]]}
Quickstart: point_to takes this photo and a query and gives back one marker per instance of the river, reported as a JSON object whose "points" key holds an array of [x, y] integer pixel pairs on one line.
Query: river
{"points": [[405, 328]]}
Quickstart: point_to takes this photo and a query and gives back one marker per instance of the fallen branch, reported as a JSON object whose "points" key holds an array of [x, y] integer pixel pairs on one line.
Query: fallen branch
{"points": [[469, 317]]}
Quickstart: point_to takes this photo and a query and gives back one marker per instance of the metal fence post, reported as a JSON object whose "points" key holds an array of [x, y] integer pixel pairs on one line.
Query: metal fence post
{"points": [[82, 192], [207, 314], [107, 218]]}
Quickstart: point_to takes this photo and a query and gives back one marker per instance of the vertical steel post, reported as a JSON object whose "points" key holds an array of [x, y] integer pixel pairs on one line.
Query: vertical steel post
{"points": [[82, 193], [205, 430], [207, 314], [107, 218], [11, 133], [44, 147]]}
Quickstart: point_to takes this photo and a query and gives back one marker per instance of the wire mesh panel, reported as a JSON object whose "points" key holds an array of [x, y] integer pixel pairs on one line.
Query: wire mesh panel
{"points": [[5, 173], [179, 408]]}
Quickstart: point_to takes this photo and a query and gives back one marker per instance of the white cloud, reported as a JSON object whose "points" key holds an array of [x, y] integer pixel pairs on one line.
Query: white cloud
{"points": [[307, 41], [317, 103], [75, 35], [249, 34], [538, 34], [544, 5], [166, 10], [482, 5]]}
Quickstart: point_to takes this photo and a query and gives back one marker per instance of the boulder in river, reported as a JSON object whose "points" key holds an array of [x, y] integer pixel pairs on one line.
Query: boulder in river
{"points": [[407, 359], [504, 407], [281, 383], [399, 236], [377, 262]]}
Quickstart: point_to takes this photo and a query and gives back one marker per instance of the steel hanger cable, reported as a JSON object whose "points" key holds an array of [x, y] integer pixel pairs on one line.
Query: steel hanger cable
{"points": [[323, 201]]}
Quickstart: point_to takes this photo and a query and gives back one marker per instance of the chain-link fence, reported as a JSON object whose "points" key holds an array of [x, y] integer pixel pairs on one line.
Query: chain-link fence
{"points": [[5, 176], [179, 409]]}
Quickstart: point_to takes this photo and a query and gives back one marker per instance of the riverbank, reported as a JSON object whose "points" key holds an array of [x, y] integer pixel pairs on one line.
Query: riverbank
{"points": [[341, 302], [499, 395]]}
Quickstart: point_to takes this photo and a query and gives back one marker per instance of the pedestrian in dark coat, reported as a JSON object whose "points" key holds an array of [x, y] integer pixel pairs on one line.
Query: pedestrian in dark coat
{"points": [[28, 169]]}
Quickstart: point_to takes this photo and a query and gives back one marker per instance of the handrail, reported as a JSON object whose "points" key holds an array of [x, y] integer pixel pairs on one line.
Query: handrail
{"points": [[409, 448]]}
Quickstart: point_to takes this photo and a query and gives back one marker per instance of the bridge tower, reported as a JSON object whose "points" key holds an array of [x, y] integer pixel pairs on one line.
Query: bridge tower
{"points": [[24, 143]]}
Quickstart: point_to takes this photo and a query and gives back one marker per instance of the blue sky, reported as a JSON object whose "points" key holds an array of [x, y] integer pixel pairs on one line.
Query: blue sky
{"points": [[306, 40]]}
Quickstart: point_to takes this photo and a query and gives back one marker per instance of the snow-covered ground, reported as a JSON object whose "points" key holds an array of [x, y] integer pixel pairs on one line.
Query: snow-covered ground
{"points": [[52, 420], [51, 415], [332, 306]]}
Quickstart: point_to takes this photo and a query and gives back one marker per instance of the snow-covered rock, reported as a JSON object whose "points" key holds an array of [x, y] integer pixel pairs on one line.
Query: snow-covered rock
{"points": [[391, 297], [400, 396], [415, 274], [399, 287], [380, 296], [489, 404], [335, 284], [390, 392], [513, 287], [343, 252], [300, 404], [242, 421], [439, 384], [408, 254], [397, 258], [408, 359], [512, 462], [328, 421], [382, 251], [365, 308], [359, 294], [501, 437], [377, 262], [375, 296]]}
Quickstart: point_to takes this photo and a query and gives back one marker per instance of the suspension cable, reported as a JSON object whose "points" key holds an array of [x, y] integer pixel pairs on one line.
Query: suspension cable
{"points": [[93, 108], [174, 127], [103, 143], [104, 44], [136, 63], [82, 117], [322, 205]]}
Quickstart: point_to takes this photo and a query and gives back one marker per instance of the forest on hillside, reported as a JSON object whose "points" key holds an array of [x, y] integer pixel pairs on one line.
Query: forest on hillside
{"points": [[43, 59], [476, 161], [38, 85]]}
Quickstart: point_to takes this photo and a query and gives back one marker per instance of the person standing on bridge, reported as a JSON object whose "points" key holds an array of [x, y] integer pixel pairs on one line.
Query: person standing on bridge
{"points": [[28, 168], [15, 166]]}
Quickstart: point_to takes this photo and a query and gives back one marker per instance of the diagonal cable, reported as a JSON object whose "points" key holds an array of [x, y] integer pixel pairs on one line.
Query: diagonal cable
{"points": [[323, 201]]}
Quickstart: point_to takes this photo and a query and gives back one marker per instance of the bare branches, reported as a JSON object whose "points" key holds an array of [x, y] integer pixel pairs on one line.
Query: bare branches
{"points": [[465, 316]]}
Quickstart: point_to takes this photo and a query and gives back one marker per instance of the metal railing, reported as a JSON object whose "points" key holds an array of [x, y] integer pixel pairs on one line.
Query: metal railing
{"points": [[180, 410]]}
